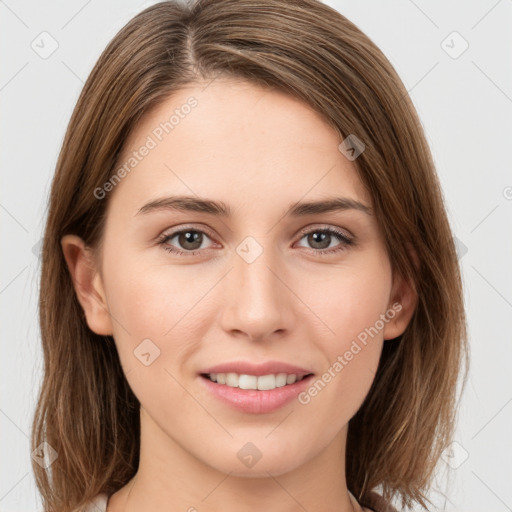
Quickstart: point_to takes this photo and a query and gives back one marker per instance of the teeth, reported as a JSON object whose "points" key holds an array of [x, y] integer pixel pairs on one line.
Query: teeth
{"points": [[280, 380], [263, 382], [290, 379]]}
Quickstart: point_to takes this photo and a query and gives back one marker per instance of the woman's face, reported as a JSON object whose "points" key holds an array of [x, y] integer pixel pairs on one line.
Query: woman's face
{"points": [[257, 280]]}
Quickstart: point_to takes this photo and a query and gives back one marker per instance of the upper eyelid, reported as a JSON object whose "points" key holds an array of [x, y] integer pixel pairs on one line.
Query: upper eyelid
{"points": [[177, 231], [324, 227]]}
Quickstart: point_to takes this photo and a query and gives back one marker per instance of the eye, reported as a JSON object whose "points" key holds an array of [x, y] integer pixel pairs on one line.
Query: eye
{"points": [[321, 239], [190, 240]]}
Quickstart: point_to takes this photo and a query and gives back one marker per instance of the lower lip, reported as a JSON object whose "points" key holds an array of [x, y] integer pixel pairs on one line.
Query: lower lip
{"points": [[254, 401]]}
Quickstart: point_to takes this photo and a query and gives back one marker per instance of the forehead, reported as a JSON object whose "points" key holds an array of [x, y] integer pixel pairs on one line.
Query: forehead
{"points": [[235, 141]]}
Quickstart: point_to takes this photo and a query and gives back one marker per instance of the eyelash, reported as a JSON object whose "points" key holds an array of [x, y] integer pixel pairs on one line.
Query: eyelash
{"points": [[345, 241]]}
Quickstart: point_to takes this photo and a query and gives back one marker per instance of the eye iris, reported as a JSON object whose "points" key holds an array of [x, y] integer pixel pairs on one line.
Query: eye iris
{"points": [[319, 237], [190, 237]]}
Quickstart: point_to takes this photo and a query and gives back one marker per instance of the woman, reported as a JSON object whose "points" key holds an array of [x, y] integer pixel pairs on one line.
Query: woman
{"points": [[250, 296]]}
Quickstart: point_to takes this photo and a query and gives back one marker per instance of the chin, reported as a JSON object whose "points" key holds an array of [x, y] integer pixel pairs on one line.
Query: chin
{"points": [[265, 461]]}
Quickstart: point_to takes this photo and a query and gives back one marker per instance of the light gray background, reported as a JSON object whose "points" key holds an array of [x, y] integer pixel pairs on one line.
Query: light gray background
{"points": [[465, 104]]}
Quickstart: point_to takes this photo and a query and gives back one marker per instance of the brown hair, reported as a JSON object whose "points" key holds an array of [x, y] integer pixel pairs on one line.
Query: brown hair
{"points": [[86, 410]]}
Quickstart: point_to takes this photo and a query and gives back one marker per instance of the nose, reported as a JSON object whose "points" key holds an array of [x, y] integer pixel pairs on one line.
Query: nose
{"points": [[258, 303]]}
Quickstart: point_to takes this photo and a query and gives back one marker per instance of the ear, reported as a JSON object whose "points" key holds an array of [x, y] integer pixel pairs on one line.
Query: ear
{"points": [[403, 301], [87, 283]]}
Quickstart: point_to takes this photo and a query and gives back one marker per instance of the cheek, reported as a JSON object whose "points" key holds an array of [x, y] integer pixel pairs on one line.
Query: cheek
{"points": [[160, 320], [158, 303], [347, 299], [350, 303], [154, 298]]}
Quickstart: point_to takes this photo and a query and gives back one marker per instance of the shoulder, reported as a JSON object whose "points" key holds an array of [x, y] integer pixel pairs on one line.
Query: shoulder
{"points": [[97, 504]]}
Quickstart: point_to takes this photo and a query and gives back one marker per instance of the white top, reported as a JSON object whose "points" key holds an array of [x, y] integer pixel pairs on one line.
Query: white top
{"points": [[98, 503]]}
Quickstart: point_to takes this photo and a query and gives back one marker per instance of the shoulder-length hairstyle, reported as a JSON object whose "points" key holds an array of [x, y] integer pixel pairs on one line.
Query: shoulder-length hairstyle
{"points": [[86, 411]]}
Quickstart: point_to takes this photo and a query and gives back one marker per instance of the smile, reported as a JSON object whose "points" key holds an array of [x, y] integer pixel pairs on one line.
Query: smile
{"points": [[262, 382], [253, 394]]}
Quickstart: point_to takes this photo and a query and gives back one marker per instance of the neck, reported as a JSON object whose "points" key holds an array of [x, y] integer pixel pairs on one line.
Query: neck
{"points": [[188, 484]]}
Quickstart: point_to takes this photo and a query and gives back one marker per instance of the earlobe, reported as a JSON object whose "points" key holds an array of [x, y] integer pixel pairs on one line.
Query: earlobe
{"points": [[401, 308], [87, 283]]}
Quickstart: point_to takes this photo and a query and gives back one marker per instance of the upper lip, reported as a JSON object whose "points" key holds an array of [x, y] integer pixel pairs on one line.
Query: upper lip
{"points": [[267, 368]]}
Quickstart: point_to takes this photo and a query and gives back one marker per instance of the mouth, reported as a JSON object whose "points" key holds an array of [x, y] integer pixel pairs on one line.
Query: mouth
{"points": [[255, 382], [259, 391]]}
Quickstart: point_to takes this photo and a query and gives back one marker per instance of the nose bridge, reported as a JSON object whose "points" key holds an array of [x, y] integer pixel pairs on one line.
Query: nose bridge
{"points": [[257, 298]]}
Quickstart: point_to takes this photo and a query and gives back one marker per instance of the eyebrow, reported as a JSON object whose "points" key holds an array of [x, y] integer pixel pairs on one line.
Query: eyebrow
{"points": [[219, 208]]}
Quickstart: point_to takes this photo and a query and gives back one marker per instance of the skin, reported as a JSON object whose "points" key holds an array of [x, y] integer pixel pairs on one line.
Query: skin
{"points": [[258, 151]]}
